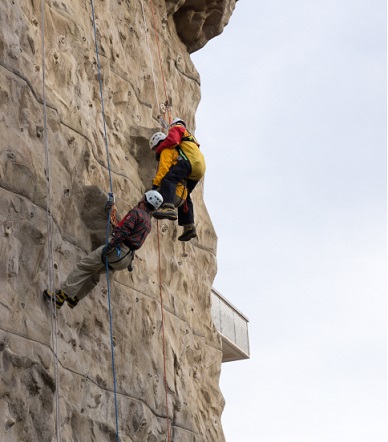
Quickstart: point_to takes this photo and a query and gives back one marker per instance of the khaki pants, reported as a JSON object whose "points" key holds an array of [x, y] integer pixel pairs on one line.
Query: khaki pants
{"points": [[86, 275]]}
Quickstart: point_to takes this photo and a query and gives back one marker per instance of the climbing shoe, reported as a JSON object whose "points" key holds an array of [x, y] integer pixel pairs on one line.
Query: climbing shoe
{"points": [[167, 211], [58, 296], [188, 233], [72, 302]]}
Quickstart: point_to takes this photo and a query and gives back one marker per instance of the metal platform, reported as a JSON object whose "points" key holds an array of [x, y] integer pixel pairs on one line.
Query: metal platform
{"points": [[232, 326]]}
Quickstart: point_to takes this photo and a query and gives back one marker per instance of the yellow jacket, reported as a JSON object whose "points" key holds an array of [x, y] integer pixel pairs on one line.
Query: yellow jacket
{"points": [[167, 159]]}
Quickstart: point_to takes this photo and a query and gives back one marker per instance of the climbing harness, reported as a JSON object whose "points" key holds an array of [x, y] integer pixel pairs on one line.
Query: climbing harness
{"points": [[190, 138], [181, 195], [181, 153]]}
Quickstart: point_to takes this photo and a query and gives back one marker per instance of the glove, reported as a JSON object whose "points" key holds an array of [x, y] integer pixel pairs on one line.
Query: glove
{"points": [[108, 206], [110, 203]]}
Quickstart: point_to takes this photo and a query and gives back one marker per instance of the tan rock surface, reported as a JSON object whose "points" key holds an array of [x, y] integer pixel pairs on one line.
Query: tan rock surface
{"points": [[37, 390]]}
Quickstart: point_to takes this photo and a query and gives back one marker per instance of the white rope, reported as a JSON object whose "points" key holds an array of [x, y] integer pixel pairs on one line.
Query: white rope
{"points": [[162, 124], [150, 56], [50, 277]]}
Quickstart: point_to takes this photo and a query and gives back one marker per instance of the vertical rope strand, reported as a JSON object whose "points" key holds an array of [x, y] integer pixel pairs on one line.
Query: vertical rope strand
{"points": [[108, 224], [101, 95], [157, 222], [163, 337], [112, 350], [150, 55], [160, 61], [50, 269]]}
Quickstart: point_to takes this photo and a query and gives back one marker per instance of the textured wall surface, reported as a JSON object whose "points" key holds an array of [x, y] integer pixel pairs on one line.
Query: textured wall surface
{"points": [[75, 391]]}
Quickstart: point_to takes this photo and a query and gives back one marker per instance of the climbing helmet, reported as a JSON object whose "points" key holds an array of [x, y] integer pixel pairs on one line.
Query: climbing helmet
{"points": [[156, 139], [177, 121], [154, 198]]}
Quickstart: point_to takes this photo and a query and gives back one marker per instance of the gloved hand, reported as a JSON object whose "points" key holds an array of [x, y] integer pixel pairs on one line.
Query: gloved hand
{"points": [[108, 206], [110, 203]]}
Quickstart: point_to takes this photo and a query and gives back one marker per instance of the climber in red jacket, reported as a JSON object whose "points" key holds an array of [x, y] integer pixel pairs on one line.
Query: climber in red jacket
{"points": [[127, 237], [190, 166]]}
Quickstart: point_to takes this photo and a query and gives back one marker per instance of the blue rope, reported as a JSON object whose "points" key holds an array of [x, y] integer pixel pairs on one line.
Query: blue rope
{"points": [[108, 226], [102, 99]]}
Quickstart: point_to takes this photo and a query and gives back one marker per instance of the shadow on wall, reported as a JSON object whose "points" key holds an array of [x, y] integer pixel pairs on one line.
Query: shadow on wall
{"points": [[140, 150], [91, 209], [91, 206]]}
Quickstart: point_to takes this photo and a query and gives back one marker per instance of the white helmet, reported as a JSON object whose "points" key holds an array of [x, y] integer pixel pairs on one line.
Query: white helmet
{"points": [[156, 139], [177, 121], [154, 198]]}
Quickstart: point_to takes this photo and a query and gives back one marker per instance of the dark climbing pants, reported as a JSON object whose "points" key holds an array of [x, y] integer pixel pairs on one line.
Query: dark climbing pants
{"points": [[176, 174], [186, 210]]}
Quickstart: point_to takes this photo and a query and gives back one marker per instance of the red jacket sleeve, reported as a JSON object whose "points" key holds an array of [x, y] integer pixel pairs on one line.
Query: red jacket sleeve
{"points": [[173, 138]]}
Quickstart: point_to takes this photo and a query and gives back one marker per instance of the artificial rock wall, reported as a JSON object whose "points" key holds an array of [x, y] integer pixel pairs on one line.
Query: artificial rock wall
{"points": [[53, 185]]}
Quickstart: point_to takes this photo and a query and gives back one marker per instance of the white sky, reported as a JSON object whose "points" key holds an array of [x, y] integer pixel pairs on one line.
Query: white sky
{"points": [[293, 126]]}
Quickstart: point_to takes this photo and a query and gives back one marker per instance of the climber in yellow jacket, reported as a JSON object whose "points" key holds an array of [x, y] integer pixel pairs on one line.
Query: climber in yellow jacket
{"points": [[166, 159], [191, 166]]}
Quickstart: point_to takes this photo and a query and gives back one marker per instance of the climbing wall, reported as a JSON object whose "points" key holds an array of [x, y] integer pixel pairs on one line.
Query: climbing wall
{"points": [[57, 380]]}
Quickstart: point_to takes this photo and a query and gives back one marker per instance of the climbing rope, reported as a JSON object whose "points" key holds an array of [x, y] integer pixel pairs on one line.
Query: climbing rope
{"points": [[168, 106], [150, 55], [111, 218], [165, 125], [50, 276], [163, 337], [108, 224]]}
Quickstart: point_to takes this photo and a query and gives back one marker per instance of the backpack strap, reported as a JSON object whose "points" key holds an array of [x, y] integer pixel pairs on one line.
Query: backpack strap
{"points": [[191, 138], [181, 153]]}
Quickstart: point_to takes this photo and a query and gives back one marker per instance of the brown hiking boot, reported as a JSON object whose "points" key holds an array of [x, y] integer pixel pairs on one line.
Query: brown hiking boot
{"points": [[167, 211], [189, 232]]}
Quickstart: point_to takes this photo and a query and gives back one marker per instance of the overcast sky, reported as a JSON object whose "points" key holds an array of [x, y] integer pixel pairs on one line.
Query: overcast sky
{"points": [[292, 122]]}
